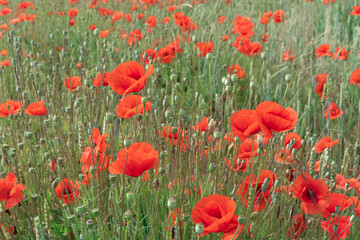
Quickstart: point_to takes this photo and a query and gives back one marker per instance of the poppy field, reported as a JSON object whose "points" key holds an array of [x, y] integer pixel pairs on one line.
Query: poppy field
{"points": [[179, 119]]}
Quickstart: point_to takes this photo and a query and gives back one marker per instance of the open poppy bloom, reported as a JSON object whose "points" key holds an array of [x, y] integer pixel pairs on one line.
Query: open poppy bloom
{"points": [[266, 17], [341, 54], [130, 106], [323, 50], [10, 191], [204, 48], [147, 55], [320, 80], [272, 117], [355, 77], [334, 111], [129, 77], [314, 194], [135, 160], [104, 33], [36, 109], [261, 187], [10, 107], [72, 83], [324, 143], [67, 190], [288, 56], [356, 11], [244, 123], [236, 69], [291, 141], [98, 80], [338, 200], [341, 231], [217, 213], [300, 224], [166, 55], [341, 182], [279, 16], [245, 46]]}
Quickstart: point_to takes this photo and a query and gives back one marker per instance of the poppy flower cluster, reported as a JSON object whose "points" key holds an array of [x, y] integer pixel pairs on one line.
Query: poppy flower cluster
{"points": [[269, 117]]}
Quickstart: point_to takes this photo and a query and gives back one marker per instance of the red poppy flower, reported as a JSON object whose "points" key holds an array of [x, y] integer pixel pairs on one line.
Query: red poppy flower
{"points": [[300, 224], [151, 21], [94, 155], [341, 55], [267, 178], [320, 79], [135, 160], [355, 77], [72, 83], [184, 22], [272, 117], [3, 52], [243, 26], [314, 194], [129, 77], [116, 17], [337, 200], [288, 56], [323, 50], [266, 17], [92, 27], [104, 79], [36, 109], [341, 182], [130, 106], [5, 11], [324, 143], [245, 46], [73, 12], [204, 48], [10, 191], [165, 20], [334, 111], [244, 123], [104, 33], [293, 136], [10, 107], [245, 153], [217, 213], [149, 53], [167, 132], [67, 190], [356, 11], [166, 55], [341, 231], [279, 16], [236, 69]]}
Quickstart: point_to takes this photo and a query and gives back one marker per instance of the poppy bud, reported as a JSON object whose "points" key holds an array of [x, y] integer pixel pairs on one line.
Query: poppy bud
{"points": [[95, 211], [288, 78], [144, 100], [208, 56], [228, 88], [212, 167], [231, 148], [112, 177], [155, 184], [211, 126], [217, 135], [260, 142], [80, 210], [130, 196], [352, 218], [254, 215], [129, 214], [90, 223], [31, 170], [233, 77], [236, 139], [194, 38], [171, 203], [161, 170], [199, 228], [81, 176], [96, 32], [21, 145], [127, 142], [71, 218], [241, 219], [168, 114], [252, 85]]}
